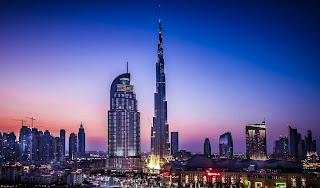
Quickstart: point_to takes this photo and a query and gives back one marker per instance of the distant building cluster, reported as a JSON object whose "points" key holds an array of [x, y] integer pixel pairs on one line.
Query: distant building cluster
{"points": [[34, 145], [77, 144], [294, 147]]}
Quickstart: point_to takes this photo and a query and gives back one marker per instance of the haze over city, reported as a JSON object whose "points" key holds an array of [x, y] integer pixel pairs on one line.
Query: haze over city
{"points": [[227, 65]]}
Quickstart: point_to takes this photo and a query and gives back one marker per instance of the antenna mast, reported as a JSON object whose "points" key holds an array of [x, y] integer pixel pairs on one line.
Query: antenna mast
{"points": [[127, 67]]}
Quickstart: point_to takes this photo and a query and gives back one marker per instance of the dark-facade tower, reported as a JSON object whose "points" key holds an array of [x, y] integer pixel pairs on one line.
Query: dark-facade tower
{"points": [[73, 146], [174, 143], [207, 147], [63, 141], [226, 146], [160, 146], [81, 141]]}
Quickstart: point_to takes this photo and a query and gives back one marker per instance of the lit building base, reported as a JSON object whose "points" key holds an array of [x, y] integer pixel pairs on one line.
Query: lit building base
{"points": [[130, 164]]}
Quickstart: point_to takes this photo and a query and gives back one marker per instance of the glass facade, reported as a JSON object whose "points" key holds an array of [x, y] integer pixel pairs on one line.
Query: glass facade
{"points": [[160, 146], [73, 146], [226, 146], [123, 123], [256, 141], [174, 143], [207, 147], [81, 141]]}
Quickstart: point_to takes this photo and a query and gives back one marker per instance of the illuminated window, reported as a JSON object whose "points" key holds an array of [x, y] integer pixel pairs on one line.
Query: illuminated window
{"points": [[303, 182], [293, 181], [258, 185]]}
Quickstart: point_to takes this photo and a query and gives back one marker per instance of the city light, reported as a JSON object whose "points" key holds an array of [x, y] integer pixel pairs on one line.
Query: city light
{"points": [[213, 174]]}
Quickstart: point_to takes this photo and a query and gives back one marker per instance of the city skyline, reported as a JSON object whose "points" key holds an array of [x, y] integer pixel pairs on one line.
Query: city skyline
{"points": [[61, 87]]}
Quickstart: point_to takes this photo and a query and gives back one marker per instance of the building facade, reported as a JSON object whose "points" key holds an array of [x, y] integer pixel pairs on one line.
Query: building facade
{"points": [[281, 146], [63, 141], [25, 143], [207, 147], [73, 146], [123, 125], [226, 146], [81, 141], [256, 141], [293, 141], [174, 143], [160, 146]]}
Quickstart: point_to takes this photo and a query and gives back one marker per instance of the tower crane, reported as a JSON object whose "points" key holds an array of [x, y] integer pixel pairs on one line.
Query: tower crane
{"points": [[22, 121], [32, 119]]}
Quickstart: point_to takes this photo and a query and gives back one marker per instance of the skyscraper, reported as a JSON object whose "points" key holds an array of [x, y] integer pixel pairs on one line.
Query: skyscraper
{"points": [[10, 148], [226, 146], [123, 125], [207, 147], [25, 143], [160, 146], [63, 141], [310, 144], [174, 142], [256, 141], [81, 141], [293, 141], [58, 155], [36, 144], [281, 146], [72, 146]]}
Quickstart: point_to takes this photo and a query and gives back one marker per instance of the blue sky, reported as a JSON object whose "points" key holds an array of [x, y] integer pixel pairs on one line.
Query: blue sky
{"points": [[227, 64]]}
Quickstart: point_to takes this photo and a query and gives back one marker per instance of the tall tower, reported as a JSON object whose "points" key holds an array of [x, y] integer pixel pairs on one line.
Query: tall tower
{"points": [[25, 142], [256, 141], [72, 146], [81, 141], [207, 147], [160, 146], [226, 146], [174, 143], [123, 125], [63, 141]]}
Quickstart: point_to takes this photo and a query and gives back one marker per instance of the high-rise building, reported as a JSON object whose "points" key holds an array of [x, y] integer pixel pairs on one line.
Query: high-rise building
{"points": [[281, 146], [58, 149], [25, 143], [174, 143], [81, 141], [72, 146], [160, 146], [36, 144], [293, 141], [226, 146], [63, 141], [309, 143], [9, 148], [207, 147], [46, 146], [123, 125], [256, 141]]}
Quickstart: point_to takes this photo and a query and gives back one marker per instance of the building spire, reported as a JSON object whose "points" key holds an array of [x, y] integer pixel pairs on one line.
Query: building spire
{"points": [[127, 67], [159, 14]]}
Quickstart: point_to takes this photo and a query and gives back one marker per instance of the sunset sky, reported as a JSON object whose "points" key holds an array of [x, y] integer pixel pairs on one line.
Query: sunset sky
{"points": [[227, 64]]}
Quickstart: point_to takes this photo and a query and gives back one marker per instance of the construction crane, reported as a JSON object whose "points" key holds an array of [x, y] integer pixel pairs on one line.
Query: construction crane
{"points": [[22, 121], [32, 119]]}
